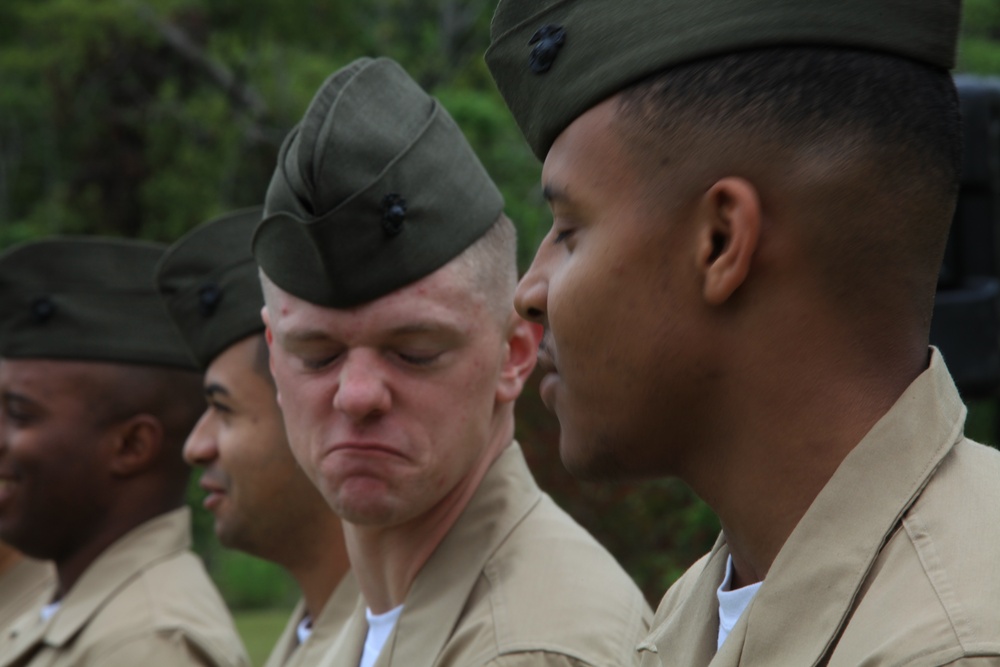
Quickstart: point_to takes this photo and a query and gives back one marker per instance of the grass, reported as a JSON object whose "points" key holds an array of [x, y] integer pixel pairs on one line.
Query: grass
{"points": [[260, 629]]}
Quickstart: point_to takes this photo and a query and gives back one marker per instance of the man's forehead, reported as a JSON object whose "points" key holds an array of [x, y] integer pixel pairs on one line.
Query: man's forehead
{"points": [[590, 148], [235, 361], [52, 378], [235, 369], [417, 309]]}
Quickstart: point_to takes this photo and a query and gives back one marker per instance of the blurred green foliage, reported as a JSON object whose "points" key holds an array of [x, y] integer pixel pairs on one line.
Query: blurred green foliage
{"points": [[260, 630], [145, 118]]}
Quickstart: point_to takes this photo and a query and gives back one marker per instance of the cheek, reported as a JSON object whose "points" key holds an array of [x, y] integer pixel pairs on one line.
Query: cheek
{"points": [[62, 474], [292, 390], [582, 306]]}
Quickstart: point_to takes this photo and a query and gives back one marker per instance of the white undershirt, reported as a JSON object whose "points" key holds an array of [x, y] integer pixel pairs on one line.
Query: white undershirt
{"points": [[49, 610], [304, 629], [379, 628], [732, 604]]}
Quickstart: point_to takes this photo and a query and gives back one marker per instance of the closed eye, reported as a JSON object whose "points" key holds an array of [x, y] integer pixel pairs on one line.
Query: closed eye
{"points": [[419, 359], [318, 364], [220, 407], [562, 236]]}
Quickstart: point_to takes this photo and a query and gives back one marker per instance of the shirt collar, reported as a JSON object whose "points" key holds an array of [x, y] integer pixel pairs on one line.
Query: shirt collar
{"points": [[814, 580], [152, 541]]}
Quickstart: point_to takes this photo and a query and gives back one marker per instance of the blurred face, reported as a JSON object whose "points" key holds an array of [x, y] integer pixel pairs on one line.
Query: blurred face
{"points": [[256, 491], [396, 406], [53, 473], [614, 290]]}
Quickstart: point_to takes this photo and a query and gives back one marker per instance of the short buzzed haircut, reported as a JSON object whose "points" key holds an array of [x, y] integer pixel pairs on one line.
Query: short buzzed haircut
{"points": [[490, 266], [889, 118], [262, 359], [117, 392], [795, 95]]}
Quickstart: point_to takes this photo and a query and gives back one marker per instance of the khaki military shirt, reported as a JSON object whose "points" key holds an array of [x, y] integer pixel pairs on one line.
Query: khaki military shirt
{"points": [[335, 615], [515, 582], [145, 602], [25, 586], [897, 561]]}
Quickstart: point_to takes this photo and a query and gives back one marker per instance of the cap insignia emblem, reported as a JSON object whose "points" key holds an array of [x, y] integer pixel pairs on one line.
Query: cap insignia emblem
{"points": [[209, 297], [393, 214], [42, 309], [547, 40]]}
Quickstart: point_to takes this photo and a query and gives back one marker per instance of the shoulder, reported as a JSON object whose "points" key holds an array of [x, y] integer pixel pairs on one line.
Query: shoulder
{"points": [[540, 659], [551, 594], [163, 648], [934, 586], [680, 590], [170, 605], [24, 588]]}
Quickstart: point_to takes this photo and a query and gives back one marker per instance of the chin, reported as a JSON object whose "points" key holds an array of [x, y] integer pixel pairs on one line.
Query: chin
{"points": [[367, 514], [590, 460], [228, 536], [370, 510]]}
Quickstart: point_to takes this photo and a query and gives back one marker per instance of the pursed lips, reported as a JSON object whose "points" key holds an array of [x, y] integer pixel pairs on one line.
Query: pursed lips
{"points": [[364, 448]]}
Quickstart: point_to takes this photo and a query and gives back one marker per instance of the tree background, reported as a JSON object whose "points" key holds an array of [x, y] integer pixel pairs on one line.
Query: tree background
{"points": [[144, 119]]}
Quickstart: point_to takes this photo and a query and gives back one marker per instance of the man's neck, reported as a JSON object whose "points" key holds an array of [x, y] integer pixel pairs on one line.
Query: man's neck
{"points": [[320, 565], [9, 557], [114, 527], [781, 452], [386, 560]]}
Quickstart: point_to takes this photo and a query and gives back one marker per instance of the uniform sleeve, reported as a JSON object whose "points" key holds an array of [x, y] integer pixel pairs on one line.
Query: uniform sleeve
{"points": [[542, 659], [976, 661], [163, 650]]}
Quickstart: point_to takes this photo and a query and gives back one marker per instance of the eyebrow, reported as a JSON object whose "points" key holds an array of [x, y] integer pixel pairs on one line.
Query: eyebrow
{"points": [[414, 329], [307, 336], [418, 328], [553, 193], [214, 389]]}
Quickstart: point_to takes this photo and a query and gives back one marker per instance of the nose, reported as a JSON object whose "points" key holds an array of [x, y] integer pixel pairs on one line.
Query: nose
{"points": [[362, 391], [202, 445], [532, 294]]}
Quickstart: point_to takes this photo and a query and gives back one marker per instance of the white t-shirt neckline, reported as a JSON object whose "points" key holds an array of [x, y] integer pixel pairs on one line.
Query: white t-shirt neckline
{"points": [[380, 626], [732, 604], [304, 629], [49, 610]]}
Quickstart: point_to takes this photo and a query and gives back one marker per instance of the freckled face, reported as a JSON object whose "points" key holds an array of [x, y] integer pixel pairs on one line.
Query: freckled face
{"points": [[390, 406], [256, 490], [617, 293]]}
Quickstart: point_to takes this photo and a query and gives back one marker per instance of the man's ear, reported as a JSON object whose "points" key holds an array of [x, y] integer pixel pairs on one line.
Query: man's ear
{"points": [[269, 339], [729, 233], [136, 444], [266, 318], [523, 338]]}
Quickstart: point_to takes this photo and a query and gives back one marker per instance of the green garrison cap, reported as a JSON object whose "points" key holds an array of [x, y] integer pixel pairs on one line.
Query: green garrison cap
{"points": [[86, 299], [374, 189], [211, 286], [555, 59]]}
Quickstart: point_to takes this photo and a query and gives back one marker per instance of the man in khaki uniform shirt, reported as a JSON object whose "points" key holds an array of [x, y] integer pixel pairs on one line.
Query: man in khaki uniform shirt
{"points": [[96, 398], [750, 204], [23, 583], [388, 271], [262, 502]]}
